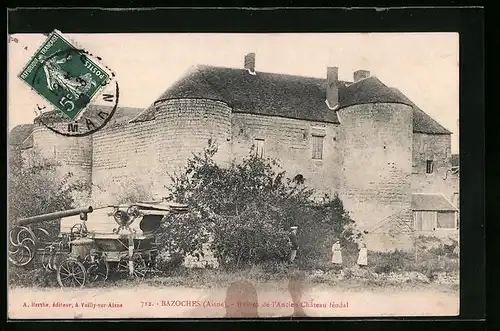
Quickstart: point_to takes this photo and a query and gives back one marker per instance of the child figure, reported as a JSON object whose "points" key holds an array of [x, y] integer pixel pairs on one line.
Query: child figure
{"points": [[337, 253], [363, 255]]}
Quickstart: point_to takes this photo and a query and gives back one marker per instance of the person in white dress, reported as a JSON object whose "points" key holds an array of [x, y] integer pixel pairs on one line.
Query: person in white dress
{"points": [[337, 253], [363, 255]]}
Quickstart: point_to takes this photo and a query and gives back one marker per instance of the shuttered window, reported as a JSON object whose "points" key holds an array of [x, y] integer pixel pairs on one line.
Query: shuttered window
{"points": [[317, 153], [446, 220]]}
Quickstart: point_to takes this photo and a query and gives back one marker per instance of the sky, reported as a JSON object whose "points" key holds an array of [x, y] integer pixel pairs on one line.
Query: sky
{"points": [[424, 66]]}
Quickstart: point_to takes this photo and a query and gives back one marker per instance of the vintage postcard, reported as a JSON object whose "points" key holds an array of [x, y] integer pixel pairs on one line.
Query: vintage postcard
{"points": [[233, 175]]}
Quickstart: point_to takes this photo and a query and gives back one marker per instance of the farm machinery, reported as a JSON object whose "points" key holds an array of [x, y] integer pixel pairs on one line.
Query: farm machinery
{"points": [[93, 243]]}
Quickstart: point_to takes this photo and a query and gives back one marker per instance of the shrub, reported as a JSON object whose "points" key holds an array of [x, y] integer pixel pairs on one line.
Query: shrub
{"points": [[433, 256], [33, 275], [37, 187], [390, 262], [247, 210]]}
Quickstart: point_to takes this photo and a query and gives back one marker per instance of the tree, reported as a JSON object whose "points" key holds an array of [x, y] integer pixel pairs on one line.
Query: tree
{"points": [[247, 209], [36, 188]]}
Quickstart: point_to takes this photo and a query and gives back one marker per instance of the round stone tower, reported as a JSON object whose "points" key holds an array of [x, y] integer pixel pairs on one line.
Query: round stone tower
{"points": [[377, 155], [187, 125], [72, 154]]}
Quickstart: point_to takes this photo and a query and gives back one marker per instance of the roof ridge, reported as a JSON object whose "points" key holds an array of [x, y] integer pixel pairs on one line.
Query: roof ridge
{"points": [[363, 79], [264, 72]]}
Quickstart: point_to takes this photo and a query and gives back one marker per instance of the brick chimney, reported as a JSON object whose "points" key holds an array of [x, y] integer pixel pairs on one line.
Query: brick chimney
{"points": [[250, 63], [361, 74], [332, 87]]}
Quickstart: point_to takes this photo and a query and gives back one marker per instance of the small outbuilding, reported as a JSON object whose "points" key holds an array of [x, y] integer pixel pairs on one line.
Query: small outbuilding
{"points": [[433, 213]]}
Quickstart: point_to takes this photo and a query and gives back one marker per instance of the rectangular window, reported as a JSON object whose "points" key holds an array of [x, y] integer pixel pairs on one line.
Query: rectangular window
{"points": [[446, 220], [424, 220], [429, 167], [317, 153], [259, 147]]}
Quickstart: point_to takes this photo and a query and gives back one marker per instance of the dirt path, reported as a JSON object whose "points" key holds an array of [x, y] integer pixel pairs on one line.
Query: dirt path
{"points": [[175, 302]]}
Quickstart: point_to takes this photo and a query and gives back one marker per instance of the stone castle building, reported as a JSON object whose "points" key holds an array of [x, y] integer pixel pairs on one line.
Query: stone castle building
{"points": [[388, 160]]}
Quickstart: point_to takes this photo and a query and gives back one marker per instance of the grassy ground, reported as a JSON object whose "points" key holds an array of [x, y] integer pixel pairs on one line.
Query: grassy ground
{"points": [[216, 278], [436, 269]]}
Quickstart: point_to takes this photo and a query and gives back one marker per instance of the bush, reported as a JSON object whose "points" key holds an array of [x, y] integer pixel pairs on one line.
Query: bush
{"points": [[434, 256], [247, 209], [390, 262], [33, 275], [37, 187]]}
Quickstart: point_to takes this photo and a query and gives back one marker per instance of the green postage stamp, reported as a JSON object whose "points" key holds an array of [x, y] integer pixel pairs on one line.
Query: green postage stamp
{"points": [[67, 77]]}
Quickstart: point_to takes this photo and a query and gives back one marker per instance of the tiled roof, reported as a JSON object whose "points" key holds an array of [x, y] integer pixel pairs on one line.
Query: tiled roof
{"points": [[284, 95], [431, 202], [19, 133], [122, 114]]}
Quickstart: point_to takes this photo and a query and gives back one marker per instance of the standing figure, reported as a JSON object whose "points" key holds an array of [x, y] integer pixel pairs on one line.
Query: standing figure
{"points": [[294, 245], [337, 253], [363, 255]]}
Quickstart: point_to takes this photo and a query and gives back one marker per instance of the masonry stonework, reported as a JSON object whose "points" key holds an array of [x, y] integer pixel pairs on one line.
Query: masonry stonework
{"points": [[377, 162], [435, 148], [125, 162], [290, 141], [73, 154], [140, 156]]}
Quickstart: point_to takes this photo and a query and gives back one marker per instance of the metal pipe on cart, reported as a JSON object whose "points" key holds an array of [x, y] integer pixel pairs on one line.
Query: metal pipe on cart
{"points": [[130, 254], [52, 216]]}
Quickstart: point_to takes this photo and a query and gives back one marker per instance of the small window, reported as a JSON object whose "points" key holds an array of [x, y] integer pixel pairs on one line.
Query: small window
{"points": [[259, 147], [317, 147], [445, 220], [429, 167]]}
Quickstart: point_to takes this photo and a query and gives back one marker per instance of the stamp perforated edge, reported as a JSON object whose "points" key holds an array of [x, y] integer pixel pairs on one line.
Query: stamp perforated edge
{"points": [[97, 60]]}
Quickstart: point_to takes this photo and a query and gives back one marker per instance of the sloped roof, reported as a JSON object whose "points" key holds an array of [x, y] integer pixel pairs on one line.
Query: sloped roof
{"points": [[284, 95], [431, 202], [19, 133], [122, 114]]}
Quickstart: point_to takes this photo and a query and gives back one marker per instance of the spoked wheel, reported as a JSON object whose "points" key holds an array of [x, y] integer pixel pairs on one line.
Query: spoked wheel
{"points": [[71, 273], [98, 272], [140, 266], [78, 231]]}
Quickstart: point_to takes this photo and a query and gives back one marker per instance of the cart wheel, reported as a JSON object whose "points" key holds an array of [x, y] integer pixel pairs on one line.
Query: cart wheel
{"points": [[140, 266], [71, 273], [98, 272]]}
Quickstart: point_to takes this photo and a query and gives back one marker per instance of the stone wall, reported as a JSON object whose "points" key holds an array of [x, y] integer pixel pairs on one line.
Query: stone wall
{"points": [[139, 157], [73, 154], [125, 162], [377, 158], [438, 149], [290, 141]]}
